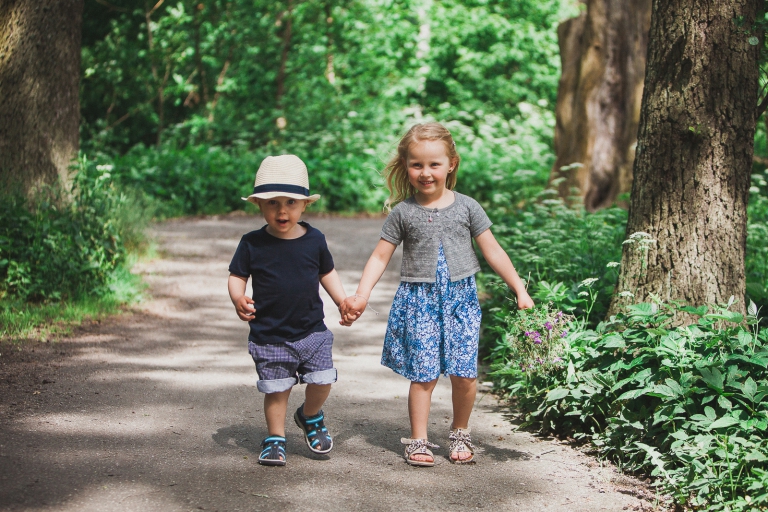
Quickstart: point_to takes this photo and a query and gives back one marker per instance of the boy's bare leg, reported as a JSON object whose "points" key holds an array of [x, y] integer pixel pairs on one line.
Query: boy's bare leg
{"points": [[314, 398], [275, 407], [419, 402], [463, 393]]}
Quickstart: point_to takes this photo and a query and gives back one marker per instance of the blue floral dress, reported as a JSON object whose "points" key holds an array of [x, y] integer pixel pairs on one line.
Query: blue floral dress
{"points": [[434, 328]]}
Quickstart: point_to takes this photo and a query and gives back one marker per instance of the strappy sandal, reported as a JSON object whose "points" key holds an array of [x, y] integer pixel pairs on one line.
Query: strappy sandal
{"points": [[272, 451], [461, 443], [418, 447], [315, 434]]}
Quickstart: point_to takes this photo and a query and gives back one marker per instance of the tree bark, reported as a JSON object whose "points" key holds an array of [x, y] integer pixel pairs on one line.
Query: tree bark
{"points": [[39, 90], [694, 154], [598, 101]]}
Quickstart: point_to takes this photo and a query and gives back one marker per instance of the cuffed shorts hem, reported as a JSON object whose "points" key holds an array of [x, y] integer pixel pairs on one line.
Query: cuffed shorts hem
{"points": [[276, 385], [322, 377]]}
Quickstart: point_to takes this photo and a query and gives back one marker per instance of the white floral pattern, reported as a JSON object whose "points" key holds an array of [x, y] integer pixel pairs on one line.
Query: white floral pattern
{"points": [[434, 328]]}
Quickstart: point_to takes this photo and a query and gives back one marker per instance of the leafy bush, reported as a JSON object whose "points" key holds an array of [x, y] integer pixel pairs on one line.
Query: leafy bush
{"points": [[567, 255], [62, 246], [685, 404], [757, 240]]}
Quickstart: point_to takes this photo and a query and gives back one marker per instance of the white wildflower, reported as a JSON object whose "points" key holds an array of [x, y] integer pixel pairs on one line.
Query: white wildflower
{"points": [[588, 282]]}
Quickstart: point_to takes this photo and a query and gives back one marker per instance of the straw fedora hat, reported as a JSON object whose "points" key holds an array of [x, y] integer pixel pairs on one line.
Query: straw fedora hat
{"points": [[282, 176]]}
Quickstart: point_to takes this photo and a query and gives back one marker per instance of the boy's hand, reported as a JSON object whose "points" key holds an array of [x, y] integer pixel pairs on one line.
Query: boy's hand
{"points": [[524, 301], [244, 308], [351, 308]]}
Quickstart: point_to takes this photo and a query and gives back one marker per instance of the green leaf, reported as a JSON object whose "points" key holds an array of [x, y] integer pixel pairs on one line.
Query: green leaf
{"points": [[725, 421], [557, 394], [744, 338], [713, 377], [749, 388], [756, 456], [710, 413], [701, 310], [724, 403], [614, 341], [661, 391], [642, 309], [632, 394]]}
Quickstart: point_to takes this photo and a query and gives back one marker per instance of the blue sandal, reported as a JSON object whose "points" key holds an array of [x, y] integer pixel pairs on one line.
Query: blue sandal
{"points": [[273, 451], [315, 434]]}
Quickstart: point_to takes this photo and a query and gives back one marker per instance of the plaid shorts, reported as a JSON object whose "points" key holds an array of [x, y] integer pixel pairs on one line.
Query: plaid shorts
{"points": [[283, 365]]}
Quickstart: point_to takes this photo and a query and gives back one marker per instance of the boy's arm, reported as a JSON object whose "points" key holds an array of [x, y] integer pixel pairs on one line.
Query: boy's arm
{"points": [[332, 284], [499, 261], [243, 304]]}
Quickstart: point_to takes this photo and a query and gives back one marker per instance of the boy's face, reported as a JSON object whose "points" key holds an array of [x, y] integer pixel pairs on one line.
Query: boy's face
{"points": [[282, 215]]}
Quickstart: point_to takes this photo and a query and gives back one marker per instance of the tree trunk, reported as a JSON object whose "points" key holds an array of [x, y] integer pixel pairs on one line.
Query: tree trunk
{"points": [[694, 154], [39, 90], [598, 101]]}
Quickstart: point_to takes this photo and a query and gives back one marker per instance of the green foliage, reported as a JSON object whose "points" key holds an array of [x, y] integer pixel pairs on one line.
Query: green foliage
{"points": [[685, 404], [337, 89], [568, 256], [63, 246], [757, 240]]}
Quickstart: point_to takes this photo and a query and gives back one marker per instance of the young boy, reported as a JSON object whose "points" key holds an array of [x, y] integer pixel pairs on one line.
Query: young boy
{"points": [[288, 339]]}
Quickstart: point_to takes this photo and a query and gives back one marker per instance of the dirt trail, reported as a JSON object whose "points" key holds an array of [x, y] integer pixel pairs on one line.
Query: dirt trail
{"points": [[158, 411]]}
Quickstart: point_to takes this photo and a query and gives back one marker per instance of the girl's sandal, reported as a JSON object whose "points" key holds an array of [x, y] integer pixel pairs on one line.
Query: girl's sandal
{"points": [[461, 443], [418, 447]]}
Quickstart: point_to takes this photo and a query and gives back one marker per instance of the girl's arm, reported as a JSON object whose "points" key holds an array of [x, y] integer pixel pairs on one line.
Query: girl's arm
{"points": [[332, 284], [502, 265], [354, 306], [243, 303]]}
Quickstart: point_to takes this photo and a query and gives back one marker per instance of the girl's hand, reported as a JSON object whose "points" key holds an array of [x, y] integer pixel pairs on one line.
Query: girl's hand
{"points": [[351, 308], [244, 308], [524, 301]]}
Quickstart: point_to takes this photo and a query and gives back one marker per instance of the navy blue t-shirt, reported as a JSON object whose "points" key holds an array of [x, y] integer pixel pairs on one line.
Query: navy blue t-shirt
{"points": [[285, 276]]}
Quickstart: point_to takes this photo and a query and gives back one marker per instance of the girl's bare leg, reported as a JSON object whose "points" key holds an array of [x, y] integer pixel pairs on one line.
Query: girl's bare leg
{"points": [[419, 402], [463, 391]]}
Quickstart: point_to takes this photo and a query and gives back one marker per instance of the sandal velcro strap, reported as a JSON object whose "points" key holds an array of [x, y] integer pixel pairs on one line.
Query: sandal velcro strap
{"points": [[461, 442], [315, 432], [418, 447], [273, 451]]}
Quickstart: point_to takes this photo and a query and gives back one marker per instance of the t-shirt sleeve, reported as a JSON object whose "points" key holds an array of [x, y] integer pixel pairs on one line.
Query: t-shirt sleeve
{"points": [[326, 260], [478, 219], [392, 231], [240, 264]]}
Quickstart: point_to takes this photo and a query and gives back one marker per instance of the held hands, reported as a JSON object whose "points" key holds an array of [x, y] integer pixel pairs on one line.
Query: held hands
{"points": [[244, 308], [351, 308]]}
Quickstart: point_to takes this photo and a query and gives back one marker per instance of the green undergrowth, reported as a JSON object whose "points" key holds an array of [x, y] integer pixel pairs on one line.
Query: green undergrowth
{"points": [[685, 404], [66, 254]]}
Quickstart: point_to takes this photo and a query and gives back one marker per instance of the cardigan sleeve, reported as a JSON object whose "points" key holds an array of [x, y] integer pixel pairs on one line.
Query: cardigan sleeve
{"points": [[393, 230], [478, 219]]}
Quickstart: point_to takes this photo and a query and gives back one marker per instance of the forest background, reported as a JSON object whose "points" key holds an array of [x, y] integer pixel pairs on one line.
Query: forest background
{"points": [[180, 101]]}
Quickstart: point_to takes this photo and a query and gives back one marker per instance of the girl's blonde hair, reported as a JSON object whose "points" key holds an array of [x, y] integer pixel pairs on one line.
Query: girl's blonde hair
{"points": [[396, 172]]}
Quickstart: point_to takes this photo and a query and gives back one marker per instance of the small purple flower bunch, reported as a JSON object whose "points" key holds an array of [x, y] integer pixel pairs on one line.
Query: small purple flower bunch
{"points": [[536, 338], [535, 335]]}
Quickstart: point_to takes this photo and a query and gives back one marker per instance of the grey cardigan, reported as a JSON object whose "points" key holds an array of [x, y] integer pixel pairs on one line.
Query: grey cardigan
{"points": [[454, 226]]}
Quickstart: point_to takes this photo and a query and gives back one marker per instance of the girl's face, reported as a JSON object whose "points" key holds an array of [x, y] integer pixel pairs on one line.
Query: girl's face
{"points": [[282, 215], [428, 167]]}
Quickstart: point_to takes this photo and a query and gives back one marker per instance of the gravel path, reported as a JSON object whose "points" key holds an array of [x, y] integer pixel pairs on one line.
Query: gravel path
{"points": [[157, 410]]}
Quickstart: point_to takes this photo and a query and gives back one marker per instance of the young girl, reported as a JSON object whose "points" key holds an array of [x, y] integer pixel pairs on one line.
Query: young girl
{"points": [[434, 322]]}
